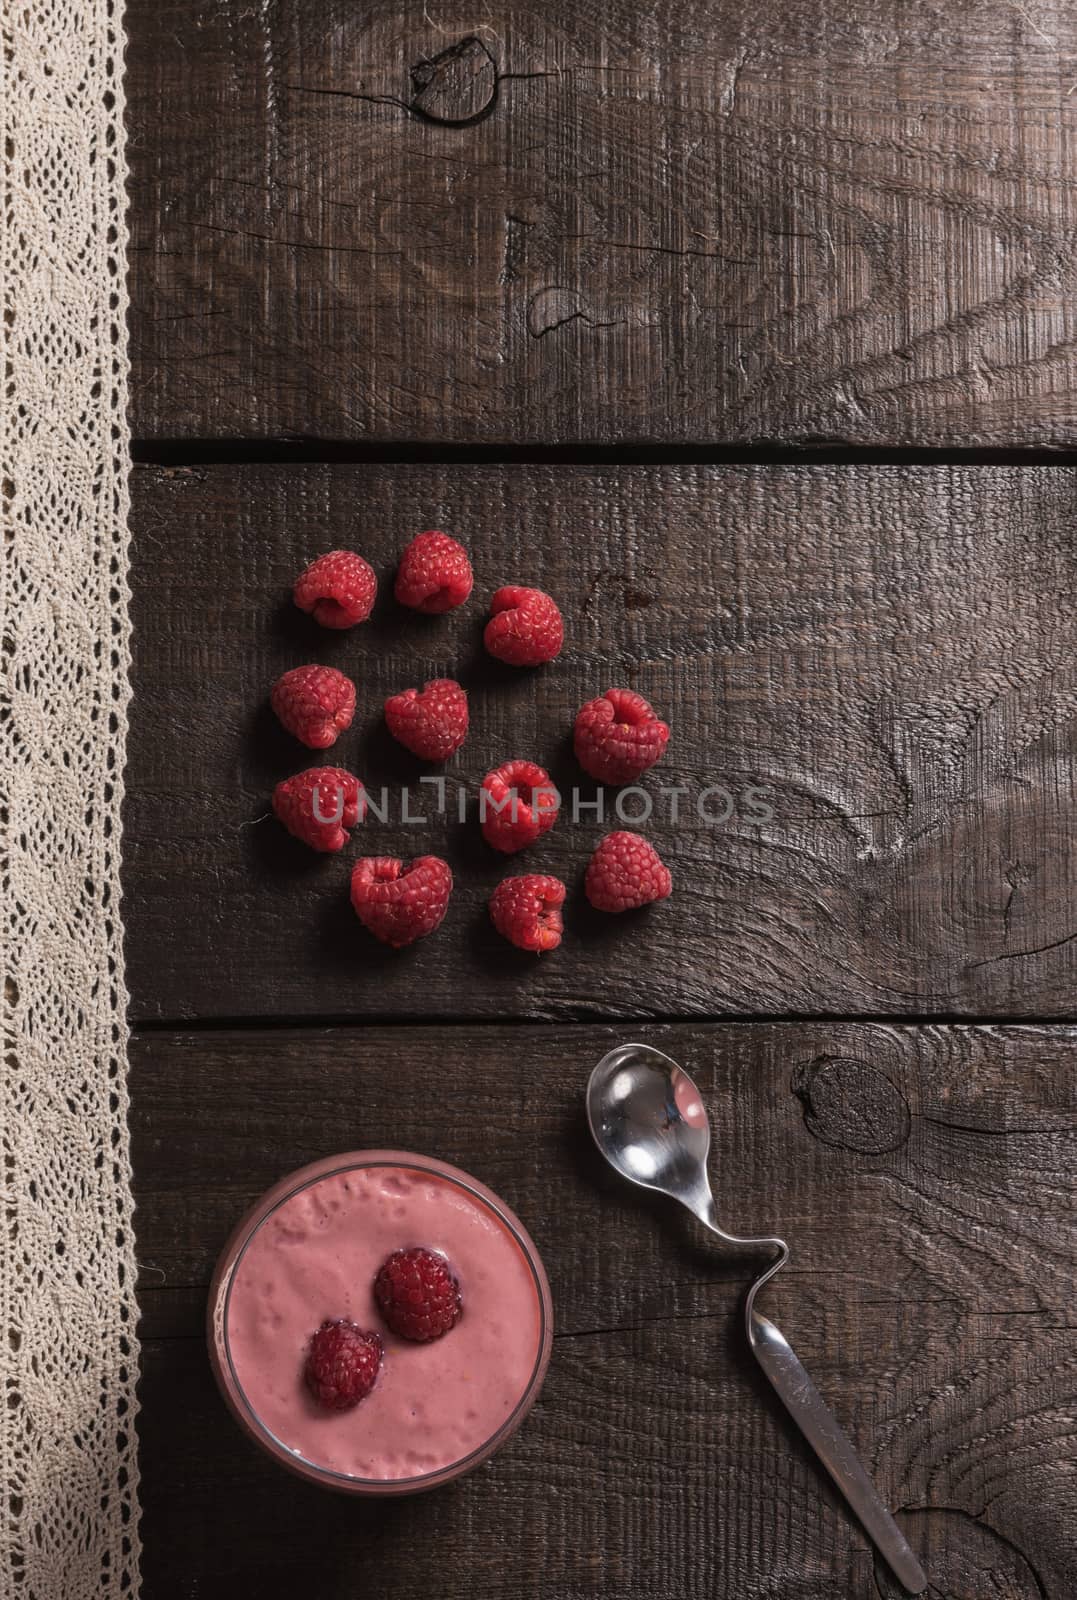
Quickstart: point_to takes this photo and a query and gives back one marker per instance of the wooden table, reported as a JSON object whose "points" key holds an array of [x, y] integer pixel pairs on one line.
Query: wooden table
{"points": [[750, 335]]}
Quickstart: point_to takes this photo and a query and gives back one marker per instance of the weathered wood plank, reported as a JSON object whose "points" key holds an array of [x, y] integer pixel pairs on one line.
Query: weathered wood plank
{"points": [[890, 654], [924, 1177], [829, 219]]}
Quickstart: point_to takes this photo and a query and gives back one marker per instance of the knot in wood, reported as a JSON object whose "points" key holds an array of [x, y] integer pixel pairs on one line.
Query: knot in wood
{"points": [[456, 87], [852, 1105]]}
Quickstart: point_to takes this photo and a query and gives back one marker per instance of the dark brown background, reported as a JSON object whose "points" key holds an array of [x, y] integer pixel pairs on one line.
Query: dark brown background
{"points": [[605, 220], [630, 297]]}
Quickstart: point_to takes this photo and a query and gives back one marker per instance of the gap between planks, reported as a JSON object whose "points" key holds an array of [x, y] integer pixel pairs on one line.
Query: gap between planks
{"points": [[254, 1024], [332, 452]]}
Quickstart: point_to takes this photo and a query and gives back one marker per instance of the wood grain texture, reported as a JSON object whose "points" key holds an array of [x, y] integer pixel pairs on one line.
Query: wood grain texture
{"points": [[925, 1179], [682, 220], [889, 653]]}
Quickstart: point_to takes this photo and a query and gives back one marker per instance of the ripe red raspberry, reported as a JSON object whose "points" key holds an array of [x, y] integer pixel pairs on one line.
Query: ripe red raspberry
{"points": [[517, 805], [431, 722], [525, 627], [339, 588], [434, 573], [318, 805], [624, 872], [617, 737], [527, 911], [399, 904], [417, 1294], [314, 703], [342, 1364]]}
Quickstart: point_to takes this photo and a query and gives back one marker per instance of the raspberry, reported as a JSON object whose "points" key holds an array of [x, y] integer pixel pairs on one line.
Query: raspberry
{"points": [[319, 805], [517, 805], [527, 911], [417, 1294], [399, 904], [314, 703], [434, 573], [339, 589], [342, 1364], [624, 872], [432, 723], [525, 627], [617, 737]]}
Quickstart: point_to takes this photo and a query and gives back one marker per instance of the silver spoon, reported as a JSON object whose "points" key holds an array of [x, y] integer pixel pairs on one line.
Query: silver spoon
{"points": [[648, 1119]]}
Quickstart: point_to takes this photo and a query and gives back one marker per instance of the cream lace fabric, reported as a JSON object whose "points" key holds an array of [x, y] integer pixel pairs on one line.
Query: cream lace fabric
{"points": [[68, 1522]]}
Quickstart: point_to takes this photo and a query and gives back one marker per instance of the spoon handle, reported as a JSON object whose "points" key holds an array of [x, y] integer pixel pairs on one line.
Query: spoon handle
{"points": [[820, 1427]]}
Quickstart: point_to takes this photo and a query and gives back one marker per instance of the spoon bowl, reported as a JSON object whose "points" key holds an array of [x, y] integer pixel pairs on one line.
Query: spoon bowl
{"points": [[648, 1120]]}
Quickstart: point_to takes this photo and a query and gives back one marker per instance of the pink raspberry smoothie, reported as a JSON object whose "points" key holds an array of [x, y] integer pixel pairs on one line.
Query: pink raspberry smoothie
{"points": [[310, 1252]]}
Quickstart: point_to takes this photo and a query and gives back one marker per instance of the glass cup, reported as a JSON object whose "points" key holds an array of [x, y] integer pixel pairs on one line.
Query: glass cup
{"points": [[312, 1195]]}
